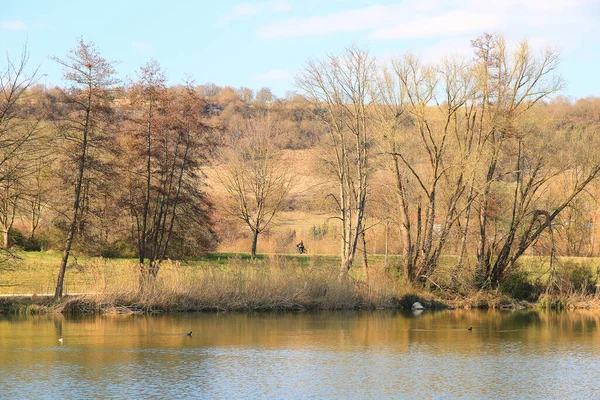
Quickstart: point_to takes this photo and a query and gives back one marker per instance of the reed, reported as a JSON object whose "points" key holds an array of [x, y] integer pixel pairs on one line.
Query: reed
{"points": [[273, 283]]}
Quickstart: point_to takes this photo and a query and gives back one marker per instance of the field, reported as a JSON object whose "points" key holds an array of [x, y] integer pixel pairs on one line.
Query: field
{"points": [[35, 272]]}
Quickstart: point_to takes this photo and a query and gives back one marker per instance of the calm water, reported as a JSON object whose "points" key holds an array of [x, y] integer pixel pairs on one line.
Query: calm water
{"points": [[303, 355]]}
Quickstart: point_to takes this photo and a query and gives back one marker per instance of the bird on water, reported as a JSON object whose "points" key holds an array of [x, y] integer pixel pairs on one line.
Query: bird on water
{"points": [[189, 334], [470, 328], [61, 340]]}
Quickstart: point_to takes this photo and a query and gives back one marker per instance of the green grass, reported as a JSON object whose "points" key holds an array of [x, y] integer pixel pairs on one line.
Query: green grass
{"points": [[36, 272]]}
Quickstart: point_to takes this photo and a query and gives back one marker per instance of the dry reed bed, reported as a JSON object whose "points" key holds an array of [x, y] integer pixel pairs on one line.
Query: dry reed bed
{"points": [[270, 284]]}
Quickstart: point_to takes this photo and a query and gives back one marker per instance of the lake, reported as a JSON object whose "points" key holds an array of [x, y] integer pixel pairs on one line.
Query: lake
{"points": [[337, 354]]}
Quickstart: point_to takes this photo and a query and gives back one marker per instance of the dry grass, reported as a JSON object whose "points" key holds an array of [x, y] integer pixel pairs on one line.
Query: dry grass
{"points": [[236, 282], [273, 283]]}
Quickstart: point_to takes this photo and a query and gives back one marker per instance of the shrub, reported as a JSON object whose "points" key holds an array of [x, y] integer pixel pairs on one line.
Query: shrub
{"points": [[117, 249], [517, 285], [32, 244], [319, 232], [573, 277], [15, 238]]}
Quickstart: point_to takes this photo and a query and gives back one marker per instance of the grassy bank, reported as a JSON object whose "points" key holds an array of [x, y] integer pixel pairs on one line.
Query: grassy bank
{"points": [[234, 282], [220, 282]]}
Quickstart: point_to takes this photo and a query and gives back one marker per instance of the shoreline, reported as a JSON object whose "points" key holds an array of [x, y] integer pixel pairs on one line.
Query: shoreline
{"points": [[113, 286], [82, 304]]}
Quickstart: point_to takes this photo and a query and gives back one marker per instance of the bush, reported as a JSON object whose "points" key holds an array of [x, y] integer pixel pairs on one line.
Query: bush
{"points": [[319, 232], [15, 238], [516, 284], [575, 277], [117, 249], [32, 244]]}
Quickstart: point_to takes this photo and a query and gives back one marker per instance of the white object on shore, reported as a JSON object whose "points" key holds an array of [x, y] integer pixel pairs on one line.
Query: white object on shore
{"points": [[417, 306]]}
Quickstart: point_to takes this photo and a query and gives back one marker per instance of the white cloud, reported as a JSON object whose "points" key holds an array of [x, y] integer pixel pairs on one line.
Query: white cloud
{"points": [[247, 10], [344, 21], [443, 19], [450, 24], [274, 75], [14, 25], [281, 6]]}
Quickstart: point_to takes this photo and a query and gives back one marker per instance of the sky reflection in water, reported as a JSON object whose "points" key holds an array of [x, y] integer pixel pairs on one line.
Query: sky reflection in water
{"points": [[381, 354]]}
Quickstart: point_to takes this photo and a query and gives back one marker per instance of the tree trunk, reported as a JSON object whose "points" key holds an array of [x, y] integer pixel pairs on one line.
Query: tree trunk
{"points": [[65, 258], [387, 235], [465, 233], [254, 242], [346, 265], [63, 265], [405, 234], [5, 231], [365, 258]]}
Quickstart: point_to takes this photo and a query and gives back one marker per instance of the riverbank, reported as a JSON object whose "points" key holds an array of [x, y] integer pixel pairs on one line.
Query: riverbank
{"points": [[98, 304], [238, 283], [161, 302]]}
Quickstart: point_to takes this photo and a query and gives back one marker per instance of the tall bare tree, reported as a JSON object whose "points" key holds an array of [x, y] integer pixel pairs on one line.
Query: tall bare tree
{"points": [[509, 86], [83, 125], [254, 175], [343, 88], [422, 114]]}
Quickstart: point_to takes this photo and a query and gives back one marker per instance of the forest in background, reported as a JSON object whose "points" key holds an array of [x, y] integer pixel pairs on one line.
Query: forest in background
{"points": [[478, 158]]}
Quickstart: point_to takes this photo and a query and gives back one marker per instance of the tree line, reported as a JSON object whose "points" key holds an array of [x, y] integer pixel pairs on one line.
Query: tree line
{"points": [[481, 158]]}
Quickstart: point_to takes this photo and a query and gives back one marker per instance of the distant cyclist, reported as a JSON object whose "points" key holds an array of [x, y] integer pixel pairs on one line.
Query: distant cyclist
{"points": [[300, 247]]}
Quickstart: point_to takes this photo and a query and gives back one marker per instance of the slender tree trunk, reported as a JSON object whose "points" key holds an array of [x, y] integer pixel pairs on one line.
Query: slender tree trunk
{"points": [[346, 265], [67, 251], [387, 235], [483, 253], [407, 245], [33, 220], [5, 231], [465, 232], [365, 257], [143, 232], [254, 242]]}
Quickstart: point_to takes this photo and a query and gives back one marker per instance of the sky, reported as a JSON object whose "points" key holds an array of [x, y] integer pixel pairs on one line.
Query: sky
{"points": [[265, 43]]}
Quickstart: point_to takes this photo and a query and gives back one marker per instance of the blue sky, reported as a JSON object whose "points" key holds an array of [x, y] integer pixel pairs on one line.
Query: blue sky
{"points": [[264, 43]]}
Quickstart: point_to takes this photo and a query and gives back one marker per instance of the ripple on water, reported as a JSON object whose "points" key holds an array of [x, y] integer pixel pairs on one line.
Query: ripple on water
{"points": [[309, 355]]}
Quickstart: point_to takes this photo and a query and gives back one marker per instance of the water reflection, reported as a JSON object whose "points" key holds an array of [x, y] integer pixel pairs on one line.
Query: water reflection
{"points": [[298, 355]]}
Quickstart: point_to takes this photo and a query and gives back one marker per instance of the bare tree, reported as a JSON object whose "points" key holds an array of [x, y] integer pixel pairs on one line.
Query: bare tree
{"points": [[422, 114], [254, 175], [84, 118], [343, 88], [534, 203], [18, 134], [508, 87]]}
